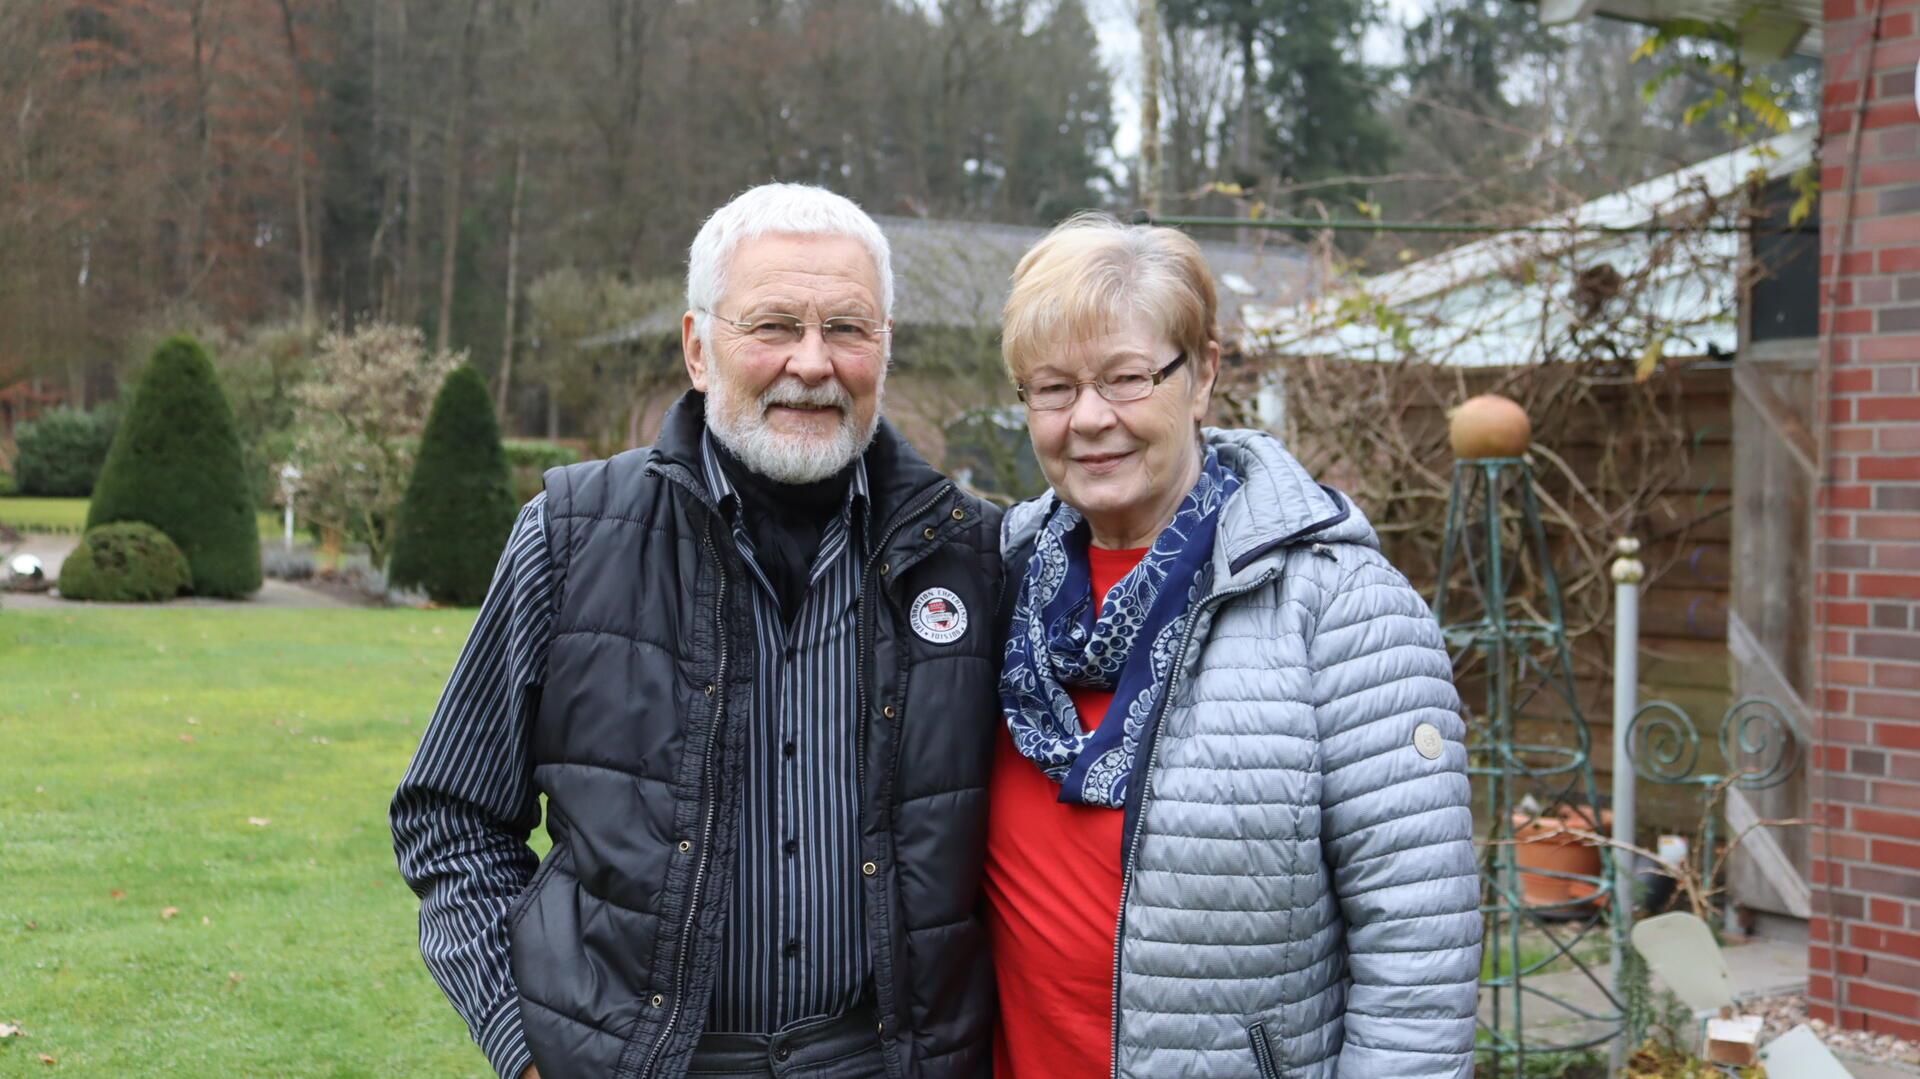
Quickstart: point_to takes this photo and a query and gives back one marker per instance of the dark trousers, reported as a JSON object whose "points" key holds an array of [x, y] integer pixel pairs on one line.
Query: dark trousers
{"points": [[837, 1047]]}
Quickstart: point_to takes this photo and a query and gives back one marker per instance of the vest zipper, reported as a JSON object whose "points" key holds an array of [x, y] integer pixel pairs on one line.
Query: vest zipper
{"points": [[706, 824], [1145, 777], [861, 648]]}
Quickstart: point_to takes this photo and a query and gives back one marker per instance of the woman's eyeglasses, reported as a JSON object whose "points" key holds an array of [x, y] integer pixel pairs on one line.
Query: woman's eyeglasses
{"points": [[1049, 394]]}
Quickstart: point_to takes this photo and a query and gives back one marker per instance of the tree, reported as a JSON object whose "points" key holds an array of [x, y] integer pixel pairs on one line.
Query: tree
{"points": [[459, 504], [357, 418], [177, 464], [1306, 109]]}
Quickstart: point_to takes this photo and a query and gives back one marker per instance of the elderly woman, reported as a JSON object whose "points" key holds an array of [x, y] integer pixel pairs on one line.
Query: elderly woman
{"points": [[1229, 829]]}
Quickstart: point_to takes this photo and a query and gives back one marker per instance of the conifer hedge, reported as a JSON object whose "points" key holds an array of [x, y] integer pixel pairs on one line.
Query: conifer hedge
{"points": [[459, 505], [176, 464]]}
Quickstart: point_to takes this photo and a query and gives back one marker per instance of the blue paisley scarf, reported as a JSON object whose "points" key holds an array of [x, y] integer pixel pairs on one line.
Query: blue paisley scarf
{"points": [[1058, 640]]}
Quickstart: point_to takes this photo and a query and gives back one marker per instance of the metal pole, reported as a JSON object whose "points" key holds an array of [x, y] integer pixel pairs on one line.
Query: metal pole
{"points": [[1627, 574]]}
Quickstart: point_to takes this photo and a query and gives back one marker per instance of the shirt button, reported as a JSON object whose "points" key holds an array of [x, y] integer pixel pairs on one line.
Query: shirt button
{"points": [[789, 750], [781, 1054], [792, 846], [792, 948], [790, 652]]}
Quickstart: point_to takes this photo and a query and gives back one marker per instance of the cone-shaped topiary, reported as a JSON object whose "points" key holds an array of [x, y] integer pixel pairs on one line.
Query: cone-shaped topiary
{"points": [[459, 505], [176, 464]]}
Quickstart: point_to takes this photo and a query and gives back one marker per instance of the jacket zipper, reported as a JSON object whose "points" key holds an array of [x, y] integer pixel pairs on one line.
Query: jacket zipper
{"points": [[706, 823], [1146, 776], [861, 648]]}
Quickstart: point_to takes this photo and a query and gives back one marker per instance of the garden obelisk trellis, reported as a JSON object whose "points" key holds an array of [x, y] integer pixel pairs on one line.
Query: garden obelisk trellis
{"points": [[1499, 604]]}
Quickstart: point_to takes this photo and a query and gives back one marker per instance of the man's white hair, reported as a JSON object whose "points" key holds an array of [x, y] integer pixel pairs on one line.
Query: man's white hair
{"points": [[801, 209]]}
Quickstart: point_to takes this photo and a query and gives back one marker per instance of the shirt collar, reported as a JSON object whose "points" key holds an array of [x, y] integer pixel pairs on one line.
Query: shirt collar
{"points": [[728, 499]]}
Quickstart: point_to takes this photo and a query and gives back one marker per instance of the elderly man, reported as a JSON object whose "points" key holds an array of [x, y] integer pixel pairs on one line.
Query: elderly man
{"points": [[751, 669]]}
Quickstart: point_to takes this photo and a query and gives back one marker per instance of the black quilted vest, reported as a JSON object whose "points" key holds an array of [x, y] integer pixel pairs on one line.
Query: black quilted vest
{"points": [[638, 743]]}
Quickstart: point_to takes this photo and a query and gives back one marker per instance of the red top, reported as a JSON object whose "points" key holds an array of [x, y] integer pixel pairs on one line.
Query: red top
{"points": [[1053, 901]]}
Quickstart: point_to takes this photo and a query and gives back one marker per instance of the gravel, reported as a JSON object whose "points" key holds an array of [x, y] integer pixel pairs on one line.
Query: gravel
{"points": [[1786, 1012]]}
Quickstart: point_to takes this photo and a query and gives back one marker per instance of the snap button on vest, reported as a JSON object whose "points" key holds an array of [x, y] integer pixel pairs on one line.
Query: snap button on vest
{"points": [[686, 845], [959, 514], [887, 711], [927, 532], [869, 869]]}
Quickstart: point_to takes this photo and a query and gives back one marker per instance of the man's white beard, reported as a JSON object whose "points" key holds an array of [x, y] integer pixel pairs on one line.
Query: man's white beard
{"points": [[742, 428]]}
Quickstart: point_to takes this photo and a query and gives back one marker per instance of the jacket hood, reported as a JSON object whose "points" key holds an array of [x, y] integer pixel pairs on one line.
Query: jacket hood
{"points": [[1278, 505]]}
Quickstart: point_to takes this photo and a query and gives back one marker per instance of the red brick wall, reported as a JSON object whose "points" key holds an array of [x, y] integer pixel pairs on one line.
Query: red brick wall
{"points": [[1865, 956]]}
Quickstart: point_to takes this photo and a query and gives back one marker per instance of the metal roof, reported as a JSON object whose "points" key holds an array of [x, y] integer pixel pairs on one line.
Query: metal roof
{"points": [[1497, 301], [957, 273]]}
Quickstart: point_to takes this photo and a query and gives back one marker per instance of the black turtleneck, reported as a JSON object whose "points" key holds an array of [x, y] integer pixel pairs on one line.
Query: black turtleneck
{"points": [[786, 522]]}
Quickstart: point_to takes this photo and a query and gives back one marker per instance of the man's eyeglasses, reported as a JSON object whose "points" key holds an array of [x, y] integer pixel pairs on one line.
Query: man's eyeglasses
{"points": [[847, 333], [1124, 384]]}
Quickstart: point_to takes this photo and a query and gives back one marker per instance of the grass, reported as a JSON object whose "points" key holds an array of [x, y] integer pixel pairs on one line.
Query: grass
{"points": [[137, 750], [70, 515]]}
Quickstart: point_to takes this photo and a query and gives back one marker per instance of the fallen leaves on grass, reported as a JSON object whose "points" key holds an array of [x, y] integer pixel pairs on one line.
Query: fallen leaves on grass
{"points": [[186, 738], [10, 1030], [234, 978], [116, 894], [259, 822], [167, 913], [48, 1061]]}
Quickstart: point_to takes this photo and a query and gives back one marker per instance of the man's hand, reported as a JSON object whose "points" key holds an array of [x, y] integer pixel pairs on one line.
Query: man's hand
{"points": [[531, 1073]]}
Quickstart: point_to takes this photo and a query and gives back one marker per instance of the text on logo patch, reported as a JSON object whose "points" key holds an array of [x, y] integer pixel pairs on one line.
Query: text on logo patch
{"points": [[938, 616]]}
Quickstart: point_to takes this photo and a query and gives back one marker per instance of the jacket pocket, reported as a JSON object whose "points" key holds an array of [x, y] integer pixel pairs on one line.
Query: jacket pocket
{"points": [[518, 908], [1263, 1051]]}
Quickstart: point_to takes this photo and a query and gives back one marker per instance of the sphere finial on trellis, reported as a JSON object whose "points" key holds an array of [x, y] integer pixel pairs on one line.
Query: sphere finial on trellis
{"points": [[1489, 426]]}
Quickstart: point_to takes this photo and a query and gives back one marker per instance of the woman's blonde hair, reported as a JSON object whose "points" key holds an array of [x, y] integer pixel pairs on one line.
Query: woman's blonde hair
{"points": [[1091, 274]]}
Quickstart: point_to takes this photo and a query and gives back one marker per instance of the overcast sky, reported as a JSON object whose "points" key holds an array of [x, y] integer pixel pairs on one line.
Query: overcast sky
{"points": [[1119, 34]]}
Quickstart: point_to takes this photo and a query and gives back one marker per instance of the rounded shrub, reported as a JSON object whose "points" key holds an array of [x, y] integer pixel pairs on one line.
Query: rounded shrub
{"points": [[459, 505], [177, 464], [126, 562], [61, 452]]}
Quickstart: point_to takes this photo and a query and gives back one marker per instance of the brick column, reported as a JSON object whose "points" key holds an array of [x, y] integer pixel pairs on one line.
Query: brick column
{"points": [[1865, 955]]}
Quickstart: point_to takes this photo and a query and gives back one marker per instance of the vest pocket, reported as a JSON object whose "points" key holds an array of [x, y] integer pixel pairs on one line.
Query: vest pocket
{"points": [[1263, 1051], [518, 908]]}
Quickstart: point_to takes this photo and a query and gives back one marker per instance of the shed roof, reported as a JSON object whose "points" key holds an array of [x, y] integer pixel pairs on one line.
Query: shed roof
{"points": [[1495, 301]]}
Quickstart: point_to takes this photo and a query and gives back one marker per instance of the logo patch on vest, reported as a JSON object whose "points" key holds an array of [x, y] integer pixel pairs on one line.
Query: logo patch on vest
{"points": [[938, 616]]}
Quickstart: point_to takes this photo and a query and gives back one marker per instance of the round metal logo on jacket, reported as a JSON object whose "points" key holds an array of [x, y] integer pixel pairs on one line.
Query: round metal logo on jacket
{"points": [[938, 616]]}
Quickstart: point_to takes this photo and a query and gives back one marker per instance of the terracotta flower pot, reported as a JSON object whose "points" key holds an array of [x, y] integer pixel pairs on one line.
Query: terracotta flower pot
{"points": [[1546, 844]]}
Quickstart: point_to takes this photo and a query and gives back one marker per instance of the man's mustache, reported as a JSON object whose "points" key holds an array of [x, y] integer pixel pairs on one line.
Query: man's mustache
{"points": [[791, 391]]}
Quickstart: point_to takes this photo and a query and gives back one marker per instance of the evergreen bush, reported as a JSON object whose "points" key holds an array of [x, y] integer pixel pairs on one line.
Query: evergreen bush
{"points": [[127, 562], [459, 505], [61, 452], [177, 464], [529, 459]]}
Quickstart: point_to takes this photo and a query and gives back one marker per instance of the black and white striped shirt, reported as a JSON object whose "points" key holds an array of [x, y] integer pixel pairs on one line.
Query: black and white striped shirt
{"points": [[795, 942]]}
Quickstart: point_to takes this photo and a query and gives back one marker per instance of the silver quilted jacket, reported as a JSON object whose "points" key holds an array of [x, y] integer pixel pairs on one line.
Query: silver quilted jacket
{"points": [[1301, 895]]}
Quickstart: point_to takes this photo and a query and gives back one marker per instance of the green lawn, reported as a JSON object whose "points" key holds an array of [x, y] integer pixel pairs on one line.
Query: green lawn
{"points": [[234, 766], [70, 515]]}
